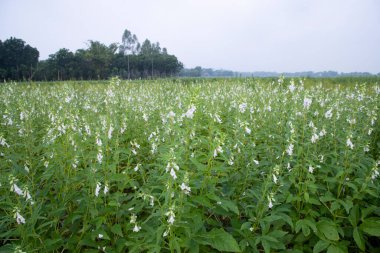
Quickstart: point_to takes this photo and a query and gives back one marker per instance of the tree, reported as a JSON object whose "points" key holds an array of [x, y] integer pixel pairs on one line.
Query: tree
{"points": [[130, 45], [99, 58], [62, 63], [148, 49], [17, 60]]}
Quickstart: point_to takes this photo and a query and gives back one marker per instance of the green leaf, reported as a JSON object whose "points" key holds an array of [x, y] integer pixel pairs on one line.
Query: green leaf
{"points": [[336, 249], [311, 224], [220, 240], [266, 246], [203, 201], [305, 230], [306, 196], [287, 219], [229, 205], [116, 229], [320, 245], [334, 206], [369, 210], [305, 225], [354, 216], [327, 198], [246, 225], [278, 234], [8, 248], [314, 201], [358, 237], [298, 225], [347, 205], [371, 226], [328, 229]]}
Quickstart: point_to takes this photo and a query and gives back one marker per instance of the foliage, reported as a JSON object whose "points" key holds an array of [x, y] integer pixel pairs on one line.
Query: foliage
{"points": [[239, 165], [97, 62], [18, 61]]}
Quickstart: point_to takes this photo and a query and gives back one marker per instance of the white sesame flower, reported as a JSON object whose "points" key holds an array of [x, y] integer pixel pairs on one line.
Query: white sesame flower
{"points": [[136, 228], [292, 87], [165, 234], [270, 205], [133, 218], [171, 115], [3, 142], [110, 130], [171, 216], [217, 119], [270, 200], [190, 113], [18, 249], [186, 189], [137, 167], [289, 150], [151, 202], [275, 179], [218, 150], [311, 169], [375, 173], [247, 130], [314, 138], [256, 162], [16, 189], [307, 103], [27, 196], [98, 142], [19, 218], [106, 189], [22, 115], [173, 174], [322, 132], [349, 143], [99, 157], [242, 107], [100, 236], [328, 114], [87, 129], [97, 189], [171, 219]]}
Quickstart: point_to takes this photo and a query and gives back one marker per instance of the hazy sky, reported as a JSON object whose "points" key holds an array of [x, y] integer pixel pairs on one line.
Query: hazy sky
{"points": [[241, 35]]}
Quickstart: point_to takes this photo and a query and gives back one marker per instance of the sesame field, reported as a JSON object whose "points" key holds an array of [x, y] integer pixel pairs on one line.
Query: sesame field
{"points": [[190, 165]]}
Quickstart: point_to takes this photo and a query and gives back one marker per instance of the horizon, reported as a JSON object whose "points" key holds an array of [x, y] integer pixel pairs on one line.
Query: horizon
{"points": [[246, 36]]}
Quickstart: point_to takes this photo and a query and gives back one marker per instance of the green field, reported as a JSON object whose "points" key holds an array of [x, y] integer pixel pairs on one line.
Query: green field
{"points": [[190, 165]]}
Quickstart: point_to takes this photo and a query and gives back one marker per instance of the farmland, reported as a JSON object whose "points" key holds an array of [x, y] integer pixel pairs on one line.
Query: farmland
{"points": [[236, 165]]}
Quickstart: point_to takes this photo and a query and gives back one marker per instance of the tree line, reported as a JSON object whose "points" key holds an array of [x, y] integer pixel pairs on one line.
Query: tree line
{"points": [[129, 60]]}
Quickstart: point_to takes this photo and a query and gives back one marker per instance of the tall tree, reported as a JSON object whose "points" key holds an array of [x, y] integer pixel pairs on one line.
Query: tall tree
{"points": [[148, 49], [18, 61], [130, 45]]}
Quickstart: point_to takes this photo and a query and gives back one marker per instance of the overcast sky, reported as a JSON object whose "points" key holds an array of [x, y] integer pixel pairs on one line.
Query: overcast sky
{"points": [[240, 35]]}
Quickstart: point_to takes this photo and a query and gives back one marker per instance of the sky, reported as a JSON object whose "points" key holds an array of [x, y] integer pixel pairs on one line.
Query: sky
{"points": [[239, 35]]}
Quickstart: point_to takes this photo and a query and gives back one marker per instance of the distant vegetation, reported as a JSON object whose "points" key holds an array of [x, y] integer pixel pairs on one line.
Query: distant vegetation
{"points": [[208, 72], [128, 59]]}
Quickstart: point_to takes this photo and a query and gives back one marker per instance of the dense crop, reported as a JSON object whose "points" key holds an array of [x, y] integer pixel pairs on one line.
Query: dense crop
{"points": [[237, 165]]}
